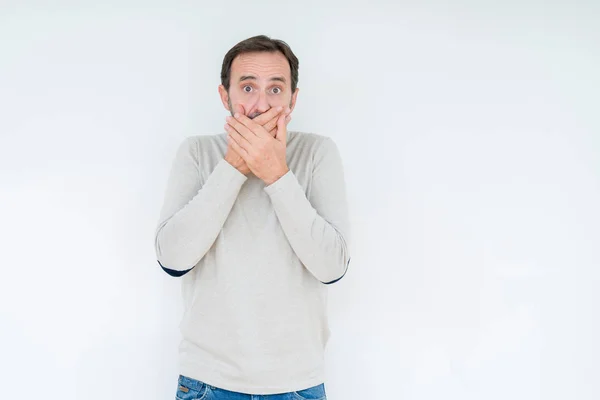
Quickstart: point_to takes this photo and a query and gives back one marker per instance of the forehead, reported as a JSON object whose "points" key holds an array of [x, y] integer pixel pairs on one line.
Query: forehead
{"points": [[262, 65]]}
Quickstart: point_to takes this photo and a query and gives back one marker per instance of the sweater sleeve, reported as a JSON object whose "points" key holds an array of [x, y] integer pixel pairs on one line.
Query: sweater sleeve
{"points": [[193, 212], [317, 225]]}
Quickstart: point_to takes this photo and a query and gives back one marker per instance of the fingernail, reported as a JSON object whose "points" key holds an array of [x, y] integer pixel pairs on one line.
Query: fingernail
{"points": [[237, 115], [279, 108]]}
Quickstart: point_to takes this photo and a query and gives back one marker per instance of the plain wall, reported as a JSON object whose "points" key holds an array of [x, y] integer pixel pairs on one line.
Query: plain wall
{"points": [[470, 135]]}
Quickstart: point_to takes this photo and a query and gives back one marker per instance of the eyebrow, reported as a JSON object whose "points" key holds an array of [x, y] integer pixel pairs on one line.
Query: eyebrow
{"points": [[252, 77]]}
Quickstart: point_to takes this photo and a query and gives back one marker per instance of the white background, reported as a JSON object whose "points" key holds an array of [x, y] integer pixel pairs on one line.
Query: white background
{"points": [[470, 135]]}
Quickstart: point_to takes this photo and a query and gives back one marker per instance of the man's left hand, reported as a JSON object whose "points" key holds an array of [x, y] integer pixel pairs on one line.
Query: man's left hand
{"points": [[264, 154]]}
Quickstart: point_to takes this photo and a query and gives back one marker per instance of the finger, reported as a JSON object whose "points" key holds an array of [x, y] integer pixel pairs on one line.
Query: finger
{"points": [[281, 130], [240, 139], [272, 123], [271, 126], [246, 126], [236, 146], [271, 113], [242, 129], [238, 108], [273, 131]]}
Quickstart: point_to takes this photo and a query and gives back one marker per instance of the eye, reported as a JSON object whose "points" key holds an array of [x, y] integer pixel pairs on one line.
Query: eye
{"points": [[276, 90], [247, 88]]}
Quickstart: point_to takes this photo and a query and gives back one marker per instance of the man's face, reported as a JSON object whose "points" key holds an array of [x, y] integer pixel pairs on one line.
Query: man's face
{"points": [[258, 82]]}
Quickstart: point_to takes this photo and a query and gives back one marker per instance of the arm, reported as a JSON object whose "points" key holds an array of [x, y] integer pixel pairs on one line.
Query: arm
{"points": [[317, 227], [193, 212]]}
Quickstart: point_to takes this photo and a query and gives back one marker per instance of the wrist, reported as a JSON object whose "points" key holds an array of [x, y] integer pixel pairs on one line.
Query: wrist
{"points": [[277, 176], [235, 162]]}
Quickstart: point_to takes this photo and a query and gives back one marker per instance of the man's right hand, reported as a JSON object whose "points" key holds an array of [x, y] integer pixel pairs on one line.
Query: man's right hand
{"points": [[268, 120]]}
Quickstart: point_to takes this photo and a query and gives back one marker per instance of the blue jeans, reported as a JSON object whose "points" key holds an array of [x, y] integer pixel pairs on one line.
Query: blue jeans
{"points": [[192, 389]]}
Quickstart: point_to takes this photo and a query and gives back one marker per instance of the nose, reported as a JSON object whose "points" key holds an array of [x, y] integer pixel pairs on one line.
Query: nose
{"points": [[262, 105]]}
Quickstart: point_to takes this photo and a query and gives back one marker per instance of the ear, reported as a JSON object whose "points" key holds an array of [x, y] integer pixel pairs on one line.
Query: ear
{"points": [[293, 101], [224, 97]]}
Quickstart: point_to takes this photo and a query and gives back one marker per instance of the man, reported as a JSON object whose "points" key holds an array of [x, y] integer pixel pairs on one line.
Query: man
{"points": [[255, 221]]}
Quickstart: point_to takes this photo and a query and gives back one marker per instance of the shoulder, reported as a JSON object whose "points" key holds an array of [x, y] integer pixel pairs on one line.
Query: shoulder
{"points": [[203, 145], [205, 140], [306, 137], [317, 144], [309, 140]]}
